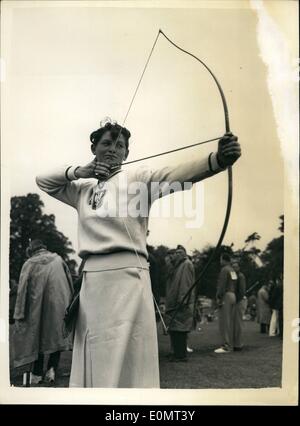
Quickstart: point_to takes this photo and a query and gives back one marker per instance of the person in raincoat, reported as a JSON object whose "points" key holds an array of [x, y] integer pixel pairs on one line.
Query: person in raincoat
{"points": [[180, 281], [263, 308], [44, 291]]}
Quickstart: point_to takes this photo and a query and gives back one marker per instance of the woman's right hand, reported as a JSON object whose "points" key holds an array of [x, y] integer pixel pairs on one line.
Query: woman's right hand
{"points": [[94, 169]]}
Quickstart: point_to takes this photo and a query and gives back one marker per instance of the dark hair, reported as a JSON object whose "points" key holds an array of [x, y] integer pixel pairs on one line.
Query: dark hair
{"points": [[35, 245], [115, 129]]}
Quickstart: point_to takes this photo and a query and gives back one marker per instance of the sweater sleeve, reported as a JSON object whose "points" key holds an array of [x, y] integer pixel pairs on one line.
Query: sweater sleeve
{"points": [[162, 182], [58, 186]]}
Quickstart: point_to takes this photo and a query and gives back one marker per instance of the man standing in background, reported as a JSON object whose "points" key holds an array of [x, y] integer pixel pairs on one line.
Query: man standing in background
{"points": [[180, 281]]}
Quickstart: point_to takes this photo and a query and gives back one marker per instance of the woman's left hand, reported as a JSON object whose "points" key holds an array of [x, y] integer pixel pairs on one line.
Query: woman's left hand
{"points": [[229, 150]]}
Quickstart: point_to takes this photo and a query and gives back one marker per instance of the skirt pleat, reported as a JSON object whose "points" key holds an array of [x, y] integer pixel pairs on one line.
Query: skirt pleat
{"points": [[115, 342]]}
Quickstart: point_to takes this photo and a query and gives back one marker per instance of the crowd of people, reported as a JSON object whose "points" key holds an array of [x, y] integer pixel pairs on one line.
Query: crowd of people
{"points": [[270, 308], [114, 338], [38, 303], [231, 303]]}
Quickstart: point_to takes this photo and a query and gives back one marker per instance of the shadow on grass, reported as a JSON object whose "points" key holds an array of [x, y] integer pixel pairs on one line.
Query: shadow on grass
{"points": [[258, 365]]}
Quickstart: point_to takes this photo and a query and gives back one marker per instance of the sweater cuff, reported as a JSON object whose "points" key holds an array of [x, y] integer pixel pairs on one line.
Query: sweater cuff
{"points": [[70, 173], [213, 163]]}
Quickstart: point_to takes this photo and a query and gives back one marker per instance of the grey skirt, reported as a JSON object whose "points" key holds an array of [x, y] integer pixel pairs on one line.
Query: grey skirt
{"points": [[115, 342]]}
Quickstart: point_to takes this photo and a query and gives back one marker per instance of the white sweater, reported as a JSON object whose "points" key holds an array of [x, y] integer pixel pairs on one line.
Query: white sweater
{"points": [[104, 230]]}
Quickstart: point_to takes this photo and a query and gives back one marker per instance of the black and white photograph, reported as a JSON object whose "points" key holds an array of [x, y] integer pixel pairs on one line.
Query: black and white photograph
{"points": [[149, 202]]}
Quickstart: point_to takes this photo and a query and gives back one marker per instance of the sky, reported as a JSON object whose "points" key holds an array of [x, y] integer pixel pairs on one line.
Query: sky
{"points": [[67, 67]]}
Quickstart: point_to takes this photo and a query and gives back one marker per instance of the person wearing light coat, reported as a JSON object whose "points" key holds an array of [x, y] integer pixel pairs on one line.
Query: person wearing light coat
{"points": [[263, 308], [44, 291]]}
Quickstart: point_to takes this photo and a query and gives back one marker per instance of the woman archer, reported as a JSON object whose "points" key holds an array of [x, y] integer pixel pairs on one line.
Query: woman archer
{"points": [[115, 342]]}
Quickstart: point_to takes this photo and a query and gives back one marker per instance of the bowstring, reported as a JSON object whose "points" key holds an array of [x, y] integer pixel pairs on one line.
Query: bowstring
{"points": [[138, 86], [156, 155], [123, 220], [171, 151], [145, 276], [230, 180], [140, 80]]}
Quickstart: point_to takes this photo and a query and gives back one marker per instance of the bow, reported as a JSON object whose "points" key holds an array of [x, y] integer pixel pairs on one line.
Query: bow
{"points": [[227, 130]]}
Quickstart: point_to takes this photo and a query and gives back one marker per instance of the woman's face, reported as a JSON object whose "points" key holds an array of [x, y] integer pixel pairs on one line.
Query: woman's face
{"points": [[110, 150]]}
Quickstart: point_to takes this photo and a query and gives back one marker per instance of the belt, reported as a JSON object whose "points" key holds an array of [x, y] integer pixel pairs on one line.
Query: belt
{"points": [[117, 260]]}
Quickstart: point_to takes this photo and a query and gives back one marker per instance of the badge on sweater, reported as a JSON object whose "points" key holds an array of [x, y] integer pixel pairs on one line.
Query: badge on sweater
{"points": [[97, 198]]}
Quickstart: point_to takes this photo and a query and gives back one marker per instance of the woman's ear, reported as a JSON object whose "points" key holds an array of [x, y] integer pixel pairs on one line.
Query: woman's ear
{"points": [[93, 149]]}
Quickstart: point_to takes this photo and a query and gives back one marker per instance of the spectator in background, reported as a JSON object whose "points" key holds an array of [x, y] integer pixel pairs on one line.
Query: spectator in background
{"points": [[44, 291], [226, 300], [276, 304], [169, 268], [244, 304], [263, 307], [169, 261], [239, 307], [198, 314], [180, 281], [154, 271], [252, 306]]}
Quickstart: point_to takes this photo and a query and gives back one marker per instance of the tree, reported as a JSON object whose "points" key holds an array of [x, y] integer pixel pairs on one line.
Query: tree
{"points": [[273, 258], [281, 226], [250, 265], [273, 255], [251, 239], [27, 221]]}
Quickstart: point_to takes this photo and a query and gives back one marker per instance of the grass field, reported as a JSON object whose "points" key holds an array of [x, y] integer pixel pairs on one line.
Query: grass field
{"points": [[257, 366]]}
